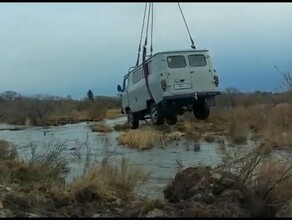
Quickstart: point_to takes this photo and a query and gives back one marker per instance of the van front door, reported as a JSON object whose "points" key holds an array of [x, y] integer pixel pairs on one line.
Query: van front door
{"points": [[179, 79], [125, 96]]}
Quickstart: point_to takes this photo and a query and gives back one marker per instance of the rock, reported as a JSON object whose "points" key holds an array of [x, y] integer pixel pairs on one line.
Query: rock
{"points": [[198, 198], [194, 190], [118, 202], [183, 182], [96, 216], [228, 182], [218, 189], [216, 176], [31, 215], [195, 213], [8, 189], [4, 213], [231, 194], [209, 198], [87, 194], [155, 213]]}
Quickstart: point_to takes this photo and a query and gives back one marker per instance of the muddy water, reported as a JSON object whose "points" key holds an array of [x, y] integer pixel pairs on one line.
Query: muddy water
{"points": [[161, 163]]}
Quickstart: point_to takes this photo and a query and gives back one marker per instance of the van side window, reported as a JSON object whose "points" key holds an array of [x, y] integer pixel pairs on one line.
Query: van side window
{"points": [[176, 61], [197, 60], [137, 75], [125, 83]]}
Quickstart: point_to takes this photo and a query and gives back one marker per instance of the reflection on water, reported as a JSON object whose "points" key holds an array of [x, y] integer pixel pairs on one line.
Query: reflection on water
{"points": [[79, 140]]}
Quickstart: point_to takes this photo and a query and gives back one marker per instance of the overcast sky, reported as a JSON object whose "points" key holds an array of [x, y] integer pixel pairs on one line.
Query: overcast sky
{"points": [[69, 48]]}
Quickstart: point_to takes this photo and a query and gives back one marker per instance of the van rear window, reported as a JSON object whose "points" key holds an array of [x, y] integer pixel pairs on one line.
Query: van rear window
{"points": [[197, 60], [176, 61]]}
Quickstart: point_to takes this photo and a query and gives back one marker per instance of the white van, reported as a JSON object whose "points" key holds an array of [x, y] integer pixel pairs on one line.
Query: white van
{"points": [[178, 81]]}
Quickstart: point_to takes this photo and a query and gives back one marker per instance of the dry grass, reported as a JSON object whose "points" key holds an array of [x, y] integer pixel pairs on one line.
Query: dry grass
{"points": [[273, 181], [37, 186], [109, 181], [4, 149], [51, 110], [104, 128], [209, 138], [121, 127], [142, 139], [238, 132], [265, 122], [186, 122], [114, 113], [268, 177], [31, 180], [276, 132], [174, 136], [96, 111]]}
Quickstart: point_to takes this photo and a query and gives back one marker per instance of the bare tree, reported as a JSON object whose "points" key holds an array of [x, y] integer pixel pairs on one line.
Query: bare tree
{"points": [[286, 79], [69, 97], [9, 95], [232, 93], [41, 105]]}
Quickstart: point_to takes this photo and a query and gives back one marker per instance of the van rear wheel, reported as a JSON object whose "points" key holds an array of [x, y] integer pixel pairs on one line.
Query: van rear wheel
{"points": [[201, 109], [171, 120], [133, 120], [156, 114]]}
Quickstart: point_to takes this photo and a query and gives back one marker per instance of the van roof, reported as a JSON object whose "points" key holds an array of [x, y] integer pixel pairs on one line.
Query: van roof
{"points": [[180, 51], [164, 52]]}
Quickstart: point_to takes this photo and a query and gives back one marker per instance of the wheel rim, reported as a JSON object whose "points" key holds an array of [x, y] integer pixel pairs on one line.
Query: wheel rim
{"points": [[154, 114]]}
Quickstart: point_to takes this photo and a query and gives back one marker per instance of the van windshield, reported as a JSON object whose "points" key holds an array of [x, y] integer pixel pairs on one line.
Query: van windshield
{"points": [[197, 60], [176, 61]]}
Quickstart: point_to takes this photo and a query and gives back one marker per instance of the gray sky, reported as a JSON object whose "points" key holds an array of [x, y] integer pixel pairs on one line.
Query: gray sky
{"points": [[68, 48]]}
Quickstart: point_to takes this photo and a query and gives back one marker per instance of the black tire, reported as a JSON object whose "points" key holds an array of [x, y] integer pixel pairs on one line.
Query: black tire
{"points": [[201, 109], [171, 120], [133, 120], [156, 114]]}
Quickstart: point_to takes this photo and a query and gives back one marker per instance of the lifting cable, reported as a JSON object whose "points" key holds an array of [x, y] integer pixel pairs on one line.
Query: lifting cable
{"points": [[193, 45], [151, 48], [144, 64], [147, 26], [139, 49]]}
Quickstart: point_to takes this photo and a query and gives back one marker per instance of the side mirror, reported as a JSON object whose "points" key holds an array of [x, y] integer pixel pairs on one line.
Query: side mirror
{"points": [[119, 88]]}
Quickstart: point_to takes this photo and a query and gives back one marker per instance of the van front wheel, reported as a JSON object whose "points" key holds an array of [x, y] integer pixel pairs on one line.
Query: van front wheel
{"points": [[133, 120], [156, 114]]}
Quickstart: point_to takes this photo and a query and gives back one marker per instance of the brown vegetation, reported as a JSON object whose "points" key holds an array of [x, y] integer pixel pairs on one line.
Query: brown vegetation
{"points": [[47, 110], [142, 139], [103, 128], [37, 187], [121, 127]]}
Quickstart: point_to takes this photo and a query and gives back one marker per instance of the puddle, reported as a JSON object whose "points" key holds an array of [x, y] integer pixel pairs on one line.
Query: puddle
{"points": [[161, 163]]}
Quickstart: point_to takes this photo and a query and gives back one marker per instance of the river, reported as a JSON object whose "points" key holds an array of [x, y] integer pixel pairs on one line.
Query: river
{"points": [[160, 162]]}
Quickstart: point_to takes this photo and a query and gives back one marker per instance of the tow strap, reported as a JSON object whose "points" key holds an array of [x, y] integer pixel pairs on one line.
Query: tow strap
{"points": [[144, 64]]}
